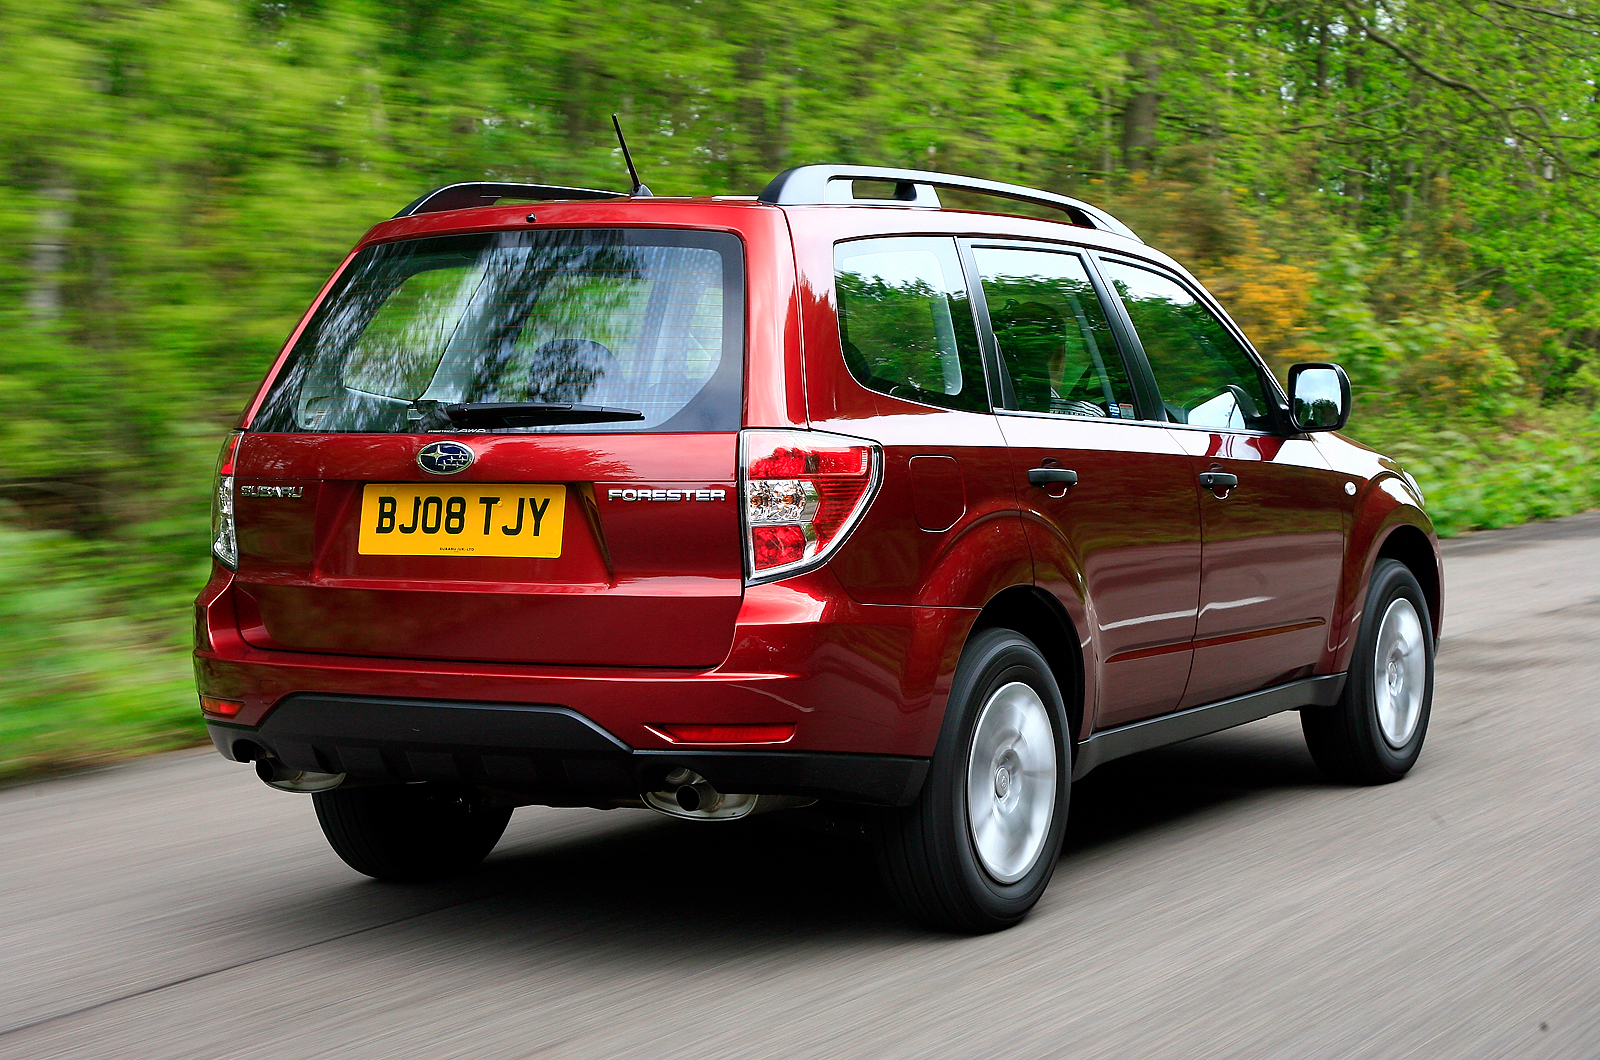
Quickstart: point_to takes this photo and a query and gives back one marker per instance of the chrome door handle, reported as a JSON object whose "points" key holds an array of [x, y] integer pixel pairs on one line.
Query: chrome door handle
{"points": [[1052, 476], [1218, 480]]}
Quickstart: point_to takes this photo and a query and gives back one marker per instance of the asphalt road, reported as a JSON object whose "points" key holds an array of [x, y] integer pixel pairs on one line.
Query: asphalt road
{"points": [[1218, 900]]}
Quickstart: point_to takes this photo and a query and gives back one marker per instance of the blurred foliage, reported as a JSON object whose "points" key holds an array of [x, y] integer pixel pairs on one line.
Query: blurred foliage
{"points": [[82, 682], [1406, 188], [1538, 464]]}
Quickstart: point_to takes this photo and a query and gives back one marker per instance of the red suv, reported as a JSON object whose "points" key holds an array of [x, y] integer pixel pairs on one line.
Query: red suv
{"points": [[719, 505]]}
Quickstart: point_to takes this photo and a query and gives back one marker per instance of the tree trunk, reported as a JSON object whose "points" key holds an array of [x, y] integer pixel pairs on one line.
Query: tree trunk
{"points": [[1139, 114], [760, 114], [1106, 134], [48, 255], [1322, 59]]}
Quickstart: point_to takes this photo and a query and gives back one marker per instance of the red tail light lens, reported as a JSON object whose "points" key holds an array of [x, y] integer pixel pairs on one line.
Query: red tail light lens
{"points": [[803, 491], [224, 542]]}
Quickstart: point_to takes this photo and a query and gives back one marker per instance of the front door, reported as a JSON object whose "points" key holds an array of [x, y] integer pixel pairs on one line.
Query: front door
{"points": [[1120, 544], [1272, 511]]}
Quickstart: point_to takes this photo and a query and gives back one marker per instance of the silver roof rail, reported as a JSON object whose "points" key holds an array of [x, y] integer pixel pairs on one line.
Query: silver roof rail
{"points": [[815, 186], [483, 193]]}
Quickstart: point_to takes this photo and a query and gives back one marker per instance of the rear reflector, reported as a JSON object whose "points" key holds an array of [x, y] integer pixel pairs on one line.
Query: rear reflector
{"points": [[803, 491], [724, 733], [222, 708]]}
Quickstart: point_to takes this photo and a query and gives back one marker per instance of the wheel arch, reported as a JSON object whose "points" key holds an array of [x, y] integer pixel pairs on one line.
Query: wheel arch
{"points": [[1411, 546], [1037, 615], [1388, 523]]}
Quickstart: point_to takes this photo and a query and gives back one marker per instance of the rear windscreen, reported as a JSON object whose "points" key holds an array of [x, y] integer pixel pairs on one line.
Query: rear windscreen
{"points": [[647, 320]]}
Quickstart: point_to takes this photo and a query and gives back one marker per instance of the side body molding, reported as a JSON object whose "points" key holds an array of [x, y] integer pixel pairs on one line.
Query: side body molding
{"points": [[1125, 740]]}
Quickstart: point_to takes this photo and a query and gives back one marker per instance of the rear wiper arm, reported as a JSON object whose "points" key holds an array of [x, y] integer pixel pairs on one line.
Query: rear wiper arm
{"points": [[533, 414]]}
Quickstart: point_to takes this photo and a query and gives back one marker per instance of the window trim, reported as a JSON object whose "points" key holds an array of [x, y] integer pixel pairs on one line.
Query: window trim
{"points": [[1277, 400], [990, 381], [1135, 368]]}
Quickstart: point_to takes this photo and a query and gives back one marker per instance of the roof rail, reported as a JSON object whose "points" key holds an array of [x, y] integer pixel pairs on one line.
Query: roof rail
{"points": [[482, 193], [814, 185]]}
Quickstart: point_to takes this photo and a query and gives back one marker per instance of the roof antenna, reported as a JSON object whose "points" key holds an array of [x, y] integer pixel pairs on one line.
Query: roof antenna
{"points": [[639, 190]]}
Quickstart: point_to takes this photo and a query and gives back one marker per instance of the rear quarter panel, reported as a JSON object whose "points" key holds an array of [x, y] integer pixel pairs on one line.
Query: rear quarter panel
{"points": [[940, 558], [890, 558]]}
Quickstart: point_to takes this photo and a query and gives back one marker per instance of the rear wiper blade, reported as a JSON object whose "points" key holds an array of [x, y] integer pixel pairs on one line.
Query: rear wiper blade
{"points": [[533, 414]]}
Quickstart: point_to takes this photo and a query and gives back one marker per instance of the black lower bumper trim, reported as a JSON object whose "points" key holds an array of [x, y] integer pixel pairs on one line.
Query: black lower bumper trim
{"points": [[548, 753], [1182, 725], [883, 780]]}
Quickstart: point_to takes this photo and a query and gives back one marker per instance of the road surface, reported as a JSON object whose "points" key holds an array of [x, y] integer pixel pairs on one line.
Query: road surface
{"points": [[1218, 899]]}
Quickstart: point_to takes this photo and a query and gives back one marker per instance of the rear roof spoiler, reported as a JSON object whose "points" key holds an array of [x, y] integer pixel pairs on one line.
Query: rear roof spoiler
{"points": [[819, 185], [482, 193]]}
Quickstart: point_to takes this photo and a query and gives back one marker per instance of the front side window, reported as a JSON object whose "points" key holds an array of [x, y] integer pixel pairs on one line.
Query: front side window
{"points": [[905, 321], [1206, 378], [647, 321], [1056, 345]]}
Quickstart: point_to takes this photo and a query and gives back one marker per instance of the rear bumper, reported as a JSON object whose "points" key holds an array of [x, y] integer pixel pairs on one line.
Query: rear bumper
{"points": [[863, 685], [549, 754]]}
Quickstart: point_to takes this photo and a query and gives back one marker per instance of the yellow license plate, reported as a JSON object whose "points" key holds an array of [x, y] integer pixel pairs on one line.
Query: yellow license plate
{"points": [[480, 520]]}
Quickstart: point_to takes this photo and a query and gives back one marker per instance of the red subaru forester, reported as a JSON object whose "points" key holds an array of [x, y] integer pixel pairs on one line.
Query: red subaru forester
{"points": [[720, 505]]}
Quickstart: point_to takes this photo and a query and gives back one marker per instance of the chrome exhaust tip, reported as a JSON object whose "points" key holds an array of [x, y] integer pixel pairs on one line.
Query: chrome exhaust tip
{"points": [[688, 796], [274, 774]]}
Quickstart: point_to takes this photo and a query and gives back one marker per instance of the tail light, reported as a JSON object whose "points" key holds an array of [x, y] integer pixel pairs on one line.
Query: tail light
{"points": [[224, 542], [803, 491]]}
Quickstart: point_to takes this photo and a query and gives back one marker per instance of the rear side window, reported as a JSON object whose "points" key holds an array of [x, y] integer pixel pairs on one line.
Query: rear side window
{"points": [[905, 321], [645, 320], [1056, 346], [1206, 378]]}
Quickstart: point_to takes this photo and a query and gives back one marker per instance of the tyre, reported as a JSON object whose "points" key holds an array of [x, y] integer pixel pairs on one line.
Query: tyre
{"points": [[409, 831], [1375, 732], [978, 847]]}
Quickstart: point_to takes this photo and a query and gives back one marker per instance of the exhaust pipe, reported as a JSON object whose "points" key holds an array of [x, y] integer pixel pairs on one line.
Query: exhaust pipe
{"points": [[274, 774], [688, 796]]}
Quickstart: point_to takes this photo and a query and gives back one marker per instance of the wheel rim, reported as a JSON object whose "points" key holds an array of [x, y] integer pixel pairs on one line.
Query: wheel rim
{"points": [[1399, 672], [1011, 782]]}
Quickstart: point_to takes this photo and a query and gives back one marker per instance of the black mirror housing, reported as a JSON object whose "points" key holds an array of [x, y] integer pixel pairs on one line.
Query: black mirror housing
{"points": [[1319, 396]]}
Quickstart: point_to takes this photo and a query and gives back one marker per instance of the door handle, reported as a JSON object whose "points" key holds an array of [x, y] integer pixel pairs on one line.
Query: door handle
{"points": [[1218, 480], [1052, 476]]}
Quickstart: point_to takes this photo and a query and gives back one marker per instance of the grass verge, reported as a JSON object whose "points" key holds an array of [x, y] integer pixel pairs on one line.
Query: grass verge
{"points": [[83, 678]]}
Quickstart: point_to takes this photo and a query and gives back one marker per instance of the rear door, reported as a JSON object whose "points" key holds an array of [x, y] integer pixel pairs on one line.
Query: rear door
{"points": [[1274, 541], [1122, 541], [373, 522]]}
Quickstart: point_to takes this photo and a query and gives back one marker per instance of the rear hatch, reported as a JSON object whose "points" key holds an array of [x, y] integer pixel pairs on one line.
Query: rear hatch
{"points": [[505, 447]]}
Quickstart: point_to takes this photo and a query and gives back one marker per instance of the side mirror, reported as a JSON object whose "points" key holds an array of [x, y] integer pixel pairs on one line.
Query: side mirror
{"points": [[1319, 397]]}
